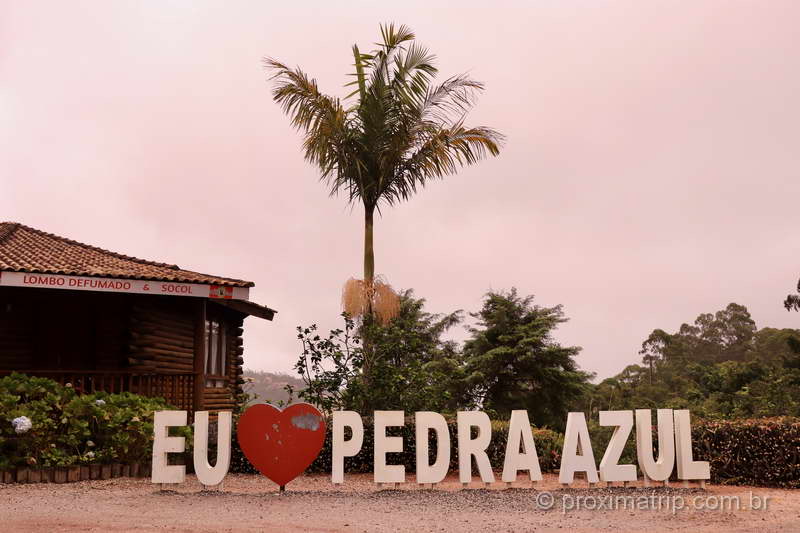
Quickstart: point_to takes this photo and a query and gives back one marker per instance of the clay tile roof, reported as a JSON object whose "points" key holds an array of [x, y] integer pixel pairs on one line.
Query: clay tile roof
{"points": [[24, 249]]}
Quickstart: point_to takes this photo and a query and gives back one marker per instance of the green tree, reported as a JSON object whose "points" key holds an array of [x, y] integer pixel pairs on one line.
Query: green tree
{"points": [[329, 366], [721, 366], [392, 134], [513, 362], [793, 300], [414, 367], [772, 344], [726, 335]]}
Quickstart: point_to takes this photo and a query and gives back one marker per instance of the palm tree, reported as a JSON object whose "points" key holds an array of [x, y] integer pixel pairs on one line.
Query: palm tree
{"points": [[391, 135]]}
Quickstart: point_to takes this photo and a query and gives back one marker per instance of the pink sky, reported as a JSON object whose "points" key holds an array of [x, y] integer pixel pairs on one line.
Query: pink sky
{"points": [[652, 170]]}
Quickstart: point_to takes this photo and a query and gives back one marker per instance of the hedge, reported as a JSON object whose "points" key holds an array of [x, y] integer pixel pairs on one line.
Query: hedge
{"points": [[762, 452], [68, 429]]}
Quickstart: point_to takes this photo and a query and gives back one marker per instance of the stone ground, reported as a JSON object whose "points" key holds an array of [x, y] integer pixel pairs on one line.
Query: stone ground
{"points": [[312, 503]]}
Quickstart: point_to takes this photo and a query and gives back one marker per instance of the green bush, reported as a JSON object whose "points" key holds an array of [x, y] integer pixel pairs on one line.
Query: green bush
{"points": [[69, 429]]}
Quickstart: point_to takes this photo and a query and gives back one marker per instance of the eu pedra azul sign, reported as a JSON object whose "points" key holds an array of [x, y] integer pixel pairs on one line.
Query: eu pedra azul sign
{"points": [[281, 444]]}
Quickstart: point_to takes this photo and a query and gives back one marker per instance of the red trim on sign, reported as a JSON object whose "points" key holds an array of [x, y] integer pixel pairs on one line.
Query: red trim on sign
{"points": [[219, 291]]}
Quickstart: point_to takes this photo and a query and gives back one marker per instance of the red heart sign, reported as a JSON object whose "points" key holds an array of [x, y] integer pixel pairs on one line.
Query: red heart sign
{"points": [[281, 444]]}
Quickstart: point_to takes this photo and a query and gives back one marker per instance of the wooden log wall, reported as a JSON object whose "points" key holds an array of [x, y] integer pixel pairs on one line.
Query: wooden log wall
{"points": [[238, 359], [161, 336], [110, 314], [17, 331], [62, 330], [224, 398], [146, 334]]}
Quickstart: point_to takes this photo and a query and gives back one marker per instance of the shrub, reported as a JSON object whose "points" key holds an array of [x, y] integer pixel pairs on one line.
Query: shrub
{"points": [[41, 401], [762, 451], [69, 429]]}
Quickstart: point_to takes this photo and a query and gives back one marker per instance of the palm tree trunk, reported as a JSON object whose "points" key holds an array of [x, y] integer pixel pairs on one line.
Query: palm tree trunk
{"points": [[369, 277], [369, 250]]}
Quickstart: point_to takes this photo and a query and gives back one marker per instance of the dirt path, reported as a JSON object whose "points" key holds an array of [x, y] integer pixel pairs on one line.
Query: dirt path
{"points": [[252, 503]]}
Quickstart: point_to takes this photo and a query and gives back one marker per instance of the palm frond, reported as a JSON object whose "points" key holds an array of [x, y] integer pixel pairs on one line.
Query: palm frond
{"points": [[328, 139], [454, 97], [442, 153], [401, 132]]}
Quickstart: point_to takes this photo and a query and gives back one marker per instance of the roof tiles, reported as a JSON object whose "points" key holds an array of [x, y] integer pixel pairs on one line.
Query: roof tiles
{"points": [[25, 249]]}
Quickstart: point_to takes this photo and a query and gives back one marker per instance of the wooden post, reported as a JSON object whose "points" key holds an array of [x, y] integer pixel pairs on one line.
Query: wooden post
{"points": [[199, 355]]}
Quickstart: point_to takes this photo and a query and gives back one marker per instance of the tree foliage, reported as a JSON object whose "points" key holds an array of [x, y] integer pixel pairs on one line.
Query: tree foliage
{"points": [[510, 361], [793, 300], [721, 366], [513, 361], [412, 365]]}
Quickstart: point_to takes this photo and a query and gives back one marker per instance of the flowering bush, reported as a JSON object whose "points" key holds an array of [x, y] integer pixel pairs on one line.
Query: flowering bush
{"points": [[21, 424], [46, 424]]}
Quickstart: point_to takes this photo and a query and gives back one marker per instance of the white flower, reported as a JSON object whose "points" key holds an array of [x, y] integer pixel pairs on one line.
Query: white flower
{"points": [[21, 424], [90, 444], [99, 402], [135, 419], [68, 385], [90, 455]]}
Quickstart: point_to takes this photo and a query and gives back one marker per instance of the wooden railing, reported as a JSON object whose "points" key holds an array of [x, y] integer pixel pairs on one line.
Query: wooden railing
{"points": [[176, 389]]}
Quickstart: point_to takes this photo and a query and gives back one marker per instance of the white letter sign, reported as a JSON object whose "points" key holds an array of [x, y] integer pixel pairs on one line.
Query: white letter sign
{"points": [[610, 469], [519, 429], [164, 444], [384, 473], [206, 474], [687, 467], [468, 448], [425, 422], [656, 470], [342, 448], [576, 441], [303, 428]]}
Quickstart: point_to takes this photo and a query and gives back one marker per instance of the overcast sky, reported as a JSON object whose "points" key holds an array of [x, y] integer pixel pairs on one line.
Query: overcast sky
{"points": [[651, 172]]}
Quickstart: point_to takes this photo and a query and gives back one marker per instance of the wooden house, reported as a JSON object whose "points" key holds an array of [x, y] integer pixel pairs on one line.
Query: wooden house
{"points": [[106, 321]]}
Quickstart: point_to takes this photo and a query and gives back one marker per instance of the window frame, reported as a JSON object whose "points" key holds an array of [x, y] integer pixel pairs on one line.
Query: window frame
{"points": [[217, 351]]}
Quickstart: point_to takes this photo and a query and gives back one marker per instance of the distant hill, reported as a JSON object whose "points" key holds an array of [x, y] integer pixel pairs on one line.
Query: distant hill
{"points": [[269, 386]]}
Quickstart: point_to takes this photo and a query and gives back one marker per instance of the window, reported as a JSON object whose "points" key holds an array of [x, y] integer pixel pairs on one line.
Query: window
{"points": [[216, 353]]}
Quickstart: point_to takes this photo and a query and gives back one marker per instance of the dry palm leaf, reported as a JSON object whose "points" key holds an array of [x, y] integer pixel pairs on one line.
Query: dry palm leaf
{"points": [[360, 298]]}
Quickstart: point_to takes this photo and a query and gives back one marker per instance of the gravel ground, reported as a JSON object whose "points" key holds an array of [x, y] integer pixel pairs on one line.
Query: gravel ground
{"points": [[312, 503]]}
